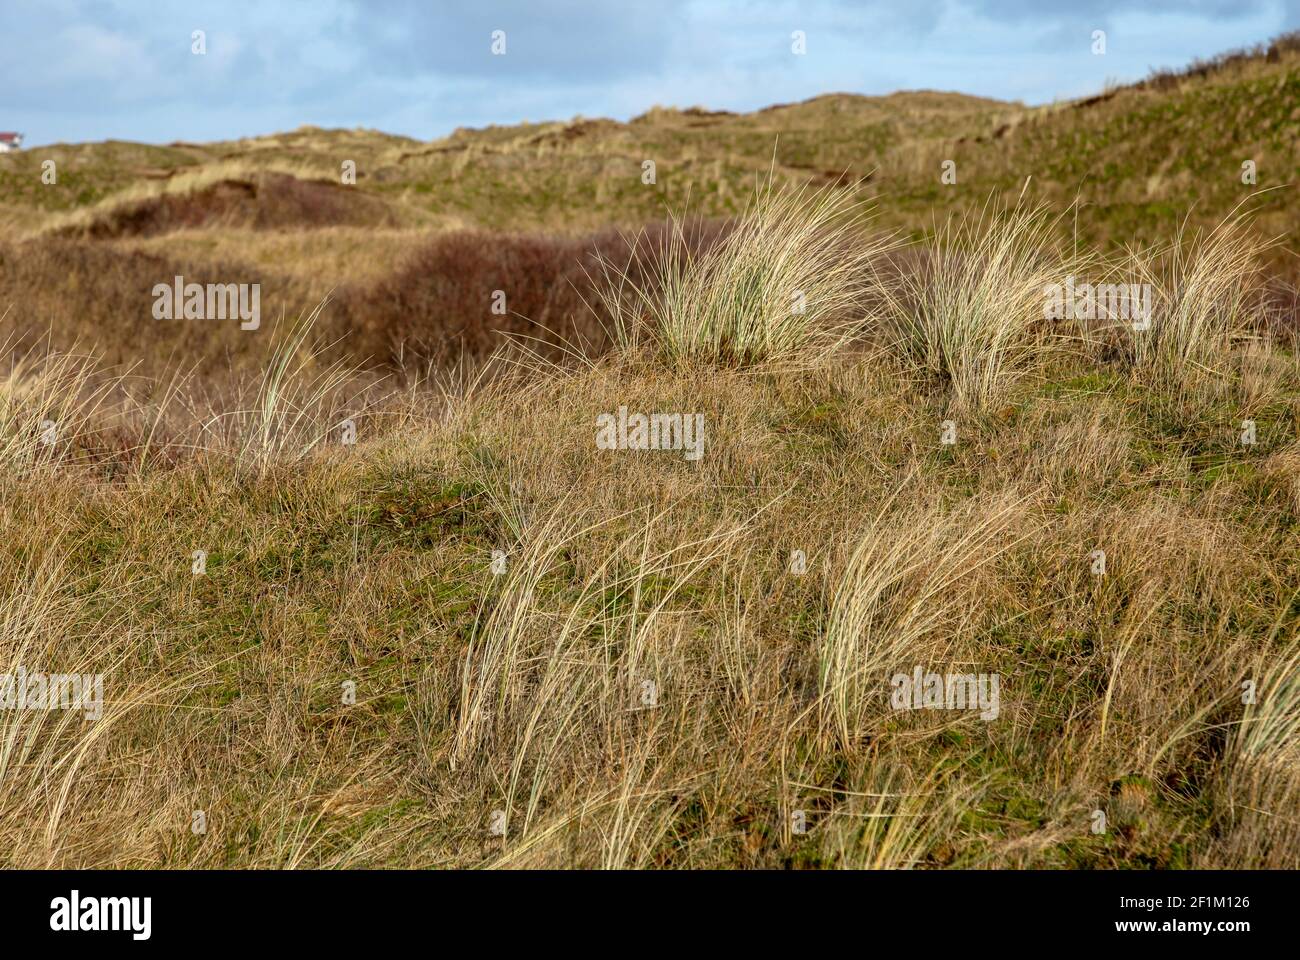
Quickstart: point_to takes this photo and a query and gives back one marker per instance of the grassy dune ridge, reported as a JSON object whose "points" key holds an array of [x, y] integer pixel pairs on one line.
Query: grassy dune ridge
{"points": [[477, 638], [1139, 156], [1133, 167]]}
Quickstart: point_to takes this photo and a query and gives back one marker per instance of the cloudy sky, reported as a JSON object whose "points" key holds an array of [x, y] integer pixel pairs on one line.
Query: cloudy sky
{"points": [[76, 70]]}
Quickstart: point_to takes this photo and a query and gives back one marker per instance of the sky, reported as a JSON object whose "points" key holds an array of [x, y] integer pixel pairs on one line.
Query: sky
{"points": [[83, 70]]}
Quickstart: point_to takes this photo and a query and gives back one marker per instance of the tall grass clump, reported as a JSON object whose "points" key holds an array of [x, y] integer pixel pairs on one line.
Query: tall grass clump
{"points": [[58, 752], [550, 715], [48, 400], [300, 400], [1204, 285], [1262, 785], [898, 587], [786, 285], [971, 311], [1269, 735]]}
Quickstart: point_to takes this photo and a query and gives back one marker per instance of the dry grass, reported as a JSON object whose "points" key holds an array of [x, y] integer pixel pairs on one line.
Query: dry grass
{"points": [[972, 313], [476, 639], [787, 285], [1205, 281], [48, 401]]}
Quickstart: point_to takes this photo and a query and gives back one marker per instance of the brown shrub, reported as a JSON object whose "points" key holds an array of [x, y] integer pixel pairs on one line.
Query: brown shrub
{"points": [[265, 201], [437, 305], [434, 307], [87, 296]]}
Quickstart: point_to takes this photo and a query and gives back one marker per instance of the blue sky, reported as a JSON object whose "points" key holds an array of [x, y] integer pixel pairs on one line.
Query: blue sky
{"points": [[78, 70]]}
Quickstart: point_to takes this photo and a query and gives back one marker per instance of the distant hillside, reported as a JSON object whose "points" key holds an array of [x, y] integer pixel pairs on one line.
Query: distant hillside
{"points": [[1134, 155], [1139, 159]]}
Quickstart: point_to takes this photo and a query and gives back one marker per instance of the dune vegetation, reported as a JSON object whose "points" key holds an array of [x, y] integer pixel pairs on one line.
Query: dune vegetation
{"points": [[365, 587]]}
